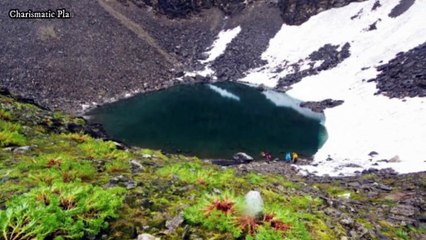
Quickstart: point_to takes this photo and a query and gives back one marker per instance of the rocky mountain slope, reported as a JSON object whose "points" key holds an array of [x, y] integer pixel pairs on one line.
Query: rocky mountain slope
{"points": [[108, 49]]}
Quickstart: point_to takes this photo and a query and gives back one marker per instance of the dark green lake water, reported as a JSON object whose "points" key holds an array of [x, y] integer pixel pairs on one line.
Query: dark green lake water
{"points": [[210, 121]]}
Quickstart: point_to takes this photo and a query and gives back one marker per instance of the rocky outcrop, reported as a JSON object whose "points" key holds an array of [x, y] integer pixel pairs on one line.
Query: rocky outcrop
{"points": [[241, 156], [399, 9], [296, 12], [320, 106], [184, 8], [329, 56], [404, 76], [259, 24]]}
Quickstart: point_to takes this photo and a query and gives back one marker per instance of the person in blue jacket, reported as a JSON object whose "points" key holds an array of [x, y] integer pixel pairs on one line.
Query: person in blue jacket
{"points": [[287, 157]]}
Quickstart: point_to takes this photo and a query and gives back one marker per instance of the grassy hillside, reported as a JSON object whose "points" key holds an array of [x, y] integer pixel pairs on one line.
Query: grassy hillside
{"points": [[57, 184]]}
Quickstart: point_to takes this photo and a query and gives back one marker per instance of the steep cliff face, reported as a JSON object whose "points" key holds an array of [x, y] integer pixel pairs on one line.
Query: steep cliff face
{"points": [[293, 12], [296, 12], [183, 8]]}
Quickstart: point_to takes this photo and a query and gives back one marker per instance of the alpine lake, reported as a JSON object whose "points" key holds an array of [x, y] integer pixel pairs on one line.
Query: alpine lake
{"points": [[213, 121]]}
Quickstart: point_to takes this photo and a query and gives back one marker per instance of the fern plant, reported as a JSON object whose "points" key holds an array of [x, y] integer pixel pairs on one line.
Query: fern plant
{"points": [[60, 211]]}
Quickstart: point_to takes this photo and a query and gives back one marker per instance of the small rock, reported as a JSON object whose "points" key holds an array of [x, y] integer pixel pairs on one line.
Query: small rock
{"points": [[373, 154], [217, 191], [136, 166], [185, 234], [354, 184], [119, 145], [388, 171], [372, 194], [362, 231], [173, 223], [352, 165], [242, 157], [333, 212], [122, 181], [131, 184], [354, 234], [347, 221], [146, 236], [22, 149], [395, 159], [385, 187], [404, 210]]}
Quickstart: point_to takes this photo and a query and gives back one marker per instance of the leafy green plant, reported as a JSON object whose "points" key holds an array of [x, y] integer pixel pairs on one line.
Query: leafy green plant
{"points": [[402, 234], [265, 232], [217, 212], [103, 150], [283, 214], [77, 137], [9, 127], [60, 211], [11, 139], [5, 114], [97, 148], [195, 173], [225, 213], [117, 166], [254, 178], [10, 135]]}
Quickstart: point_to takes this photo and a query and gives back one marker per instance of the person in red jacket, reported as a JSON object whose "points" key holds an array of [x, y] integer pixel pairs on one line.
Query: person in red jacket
{"points": [[268, 157]]}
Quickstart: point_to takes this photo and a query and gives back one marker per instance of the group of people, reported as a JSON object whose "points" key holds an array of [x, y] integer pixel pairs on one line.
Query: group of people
{"points": [[288, 157]]}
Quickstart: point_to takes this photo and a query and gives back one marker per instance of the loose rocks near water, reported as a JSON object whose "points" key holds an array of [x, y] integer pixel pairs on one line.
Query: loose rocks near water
{"points": [[320, 106]]}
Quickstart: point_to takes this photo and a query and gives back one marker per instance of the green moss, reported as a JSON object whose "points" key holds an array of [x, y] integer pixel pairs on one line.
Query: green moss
{"points": [[365, 223], [304, 202], [321, 231], [74, 209]]}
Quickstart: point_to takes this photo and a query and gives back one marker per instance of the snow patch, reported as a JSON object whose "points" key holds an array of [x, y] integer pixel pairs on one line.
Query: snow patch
{"points": [[365, 122], [206, 72], [223, 92], [284, 100], [218, 48], [219, 45]]}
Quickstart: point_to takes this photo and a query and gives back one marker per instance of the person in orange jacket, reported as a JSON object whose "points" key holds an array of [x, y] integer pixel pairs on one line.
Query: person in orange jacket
{"points": [[294, 157]]}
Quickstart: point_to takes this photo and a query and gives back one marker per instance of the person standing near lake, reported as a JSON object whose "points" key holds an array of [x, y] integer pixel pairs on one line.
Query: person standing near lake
{"points": [[268, 157], [294, 157], [287, 157]]}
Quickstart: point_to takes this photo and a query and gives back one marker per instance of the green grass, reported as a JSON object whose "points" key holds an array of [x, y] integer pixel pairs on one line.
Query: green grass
{"points": [[10, 134], [225, 213], [62, 211], [196, 173], [11, 139]]}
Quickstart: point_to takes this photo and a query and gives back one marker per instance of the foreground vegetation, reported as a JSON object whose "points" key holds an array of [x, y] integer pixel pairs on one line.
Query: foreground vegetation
{"points": [[57, 184]]}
